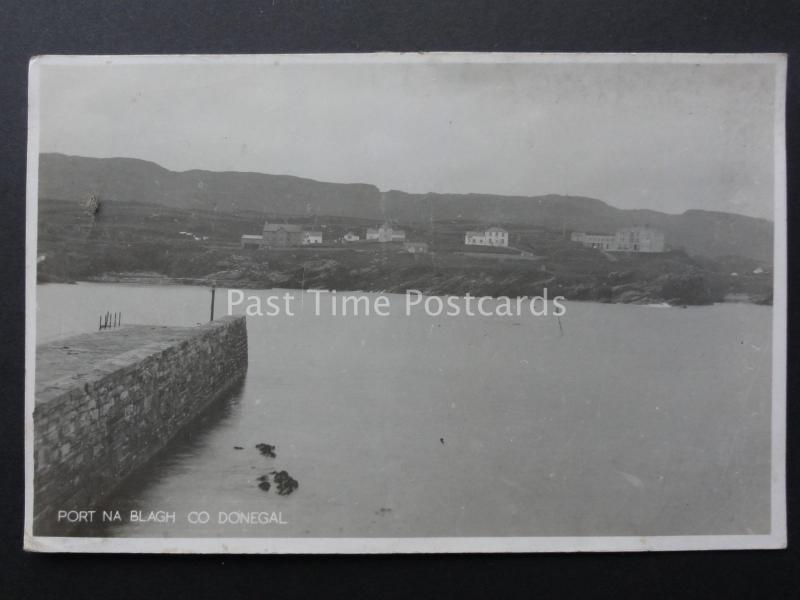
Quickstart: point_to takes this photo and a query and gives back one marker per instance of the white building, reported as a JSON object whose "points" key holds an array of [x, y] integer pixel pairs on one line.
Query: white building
{"points": [[351, 237], [494, 236], [312, 237], [639, 239], [252, 242], [629, 239], [595, 240], [416, 247], [385, 233]]}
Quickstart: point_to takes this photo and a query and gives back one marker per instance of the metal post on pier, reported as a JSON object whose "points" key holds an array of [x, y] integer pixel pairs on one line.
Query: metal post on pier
{"points": [[110, 320], [213, 293]]}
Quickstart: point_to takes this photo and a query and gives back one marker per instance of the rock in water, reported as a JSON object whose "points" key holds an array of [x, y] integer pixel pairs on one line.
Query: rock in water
{"points": [[266, 449], [286, 483]]}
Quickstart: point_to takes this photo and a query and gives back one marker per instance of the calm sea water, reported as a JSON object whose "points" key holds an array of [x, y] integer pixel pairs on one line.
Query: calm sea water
{"points": [[633, 421]]}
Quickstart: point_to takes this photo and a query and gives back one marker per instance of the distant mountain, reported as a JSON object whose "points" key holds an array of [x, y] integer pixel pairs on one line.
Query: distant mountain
{"points": [[701, 232], [707, 233], [64, 177]]}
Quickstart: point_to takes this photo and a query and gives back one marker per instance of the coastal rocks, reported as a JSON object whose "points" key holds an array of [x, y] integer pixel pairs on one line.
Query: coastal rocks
{"points": [[688, 288], [628, 295], [763, 299], [266, 450], [318, 265], [620, 277], [285, 484]]}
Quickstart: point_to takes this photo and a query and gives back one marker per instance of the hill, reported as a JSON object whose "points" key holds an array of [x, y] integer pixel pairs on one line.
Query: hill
{"points": [[705, 233], [64, 177], [147, 243]]}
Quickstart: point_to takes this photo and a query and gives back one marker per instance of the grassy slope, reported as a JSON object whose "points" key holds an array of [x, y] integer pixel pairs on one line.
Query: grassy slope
{"points": [[134, 238]]}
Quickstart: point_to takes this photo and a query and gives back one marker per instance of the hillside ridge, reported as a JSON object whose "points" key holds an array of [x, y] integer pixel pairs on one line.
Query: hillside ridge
{"points": [[698, 231]]}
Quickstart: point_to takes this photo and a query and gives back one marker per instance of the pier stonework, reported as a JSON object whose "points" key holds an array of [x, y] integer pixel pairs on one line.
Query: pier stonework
{"points": [[106, 402]]}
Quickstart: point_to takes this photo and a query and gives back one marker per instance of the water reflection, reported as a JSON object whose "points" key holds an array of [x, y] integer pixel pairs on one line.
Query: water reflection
{"points": [[634, 421], [189, 442]]}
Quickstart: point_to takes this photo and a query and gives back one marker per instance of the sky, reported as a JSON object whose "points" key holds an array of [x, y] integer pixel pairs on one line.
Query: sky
{"points": [[668, 137]]}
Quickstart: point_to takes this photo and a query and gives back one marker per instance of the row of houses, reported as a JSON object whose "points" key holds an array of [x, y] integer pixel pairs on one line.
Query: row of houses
{"points": [[281, 235], [385, 233], [629, 239], [494, 236]]}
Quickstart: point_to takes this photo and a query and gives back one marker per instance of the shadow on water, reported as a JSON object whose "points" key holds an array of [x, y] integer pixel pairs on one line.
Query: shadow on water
{"points": [[189, 441]]}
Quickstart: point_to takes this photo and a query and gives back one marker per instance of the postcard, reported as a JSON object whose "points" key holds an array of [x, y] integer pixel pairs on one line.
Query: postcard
{"points": [[392, 303]]}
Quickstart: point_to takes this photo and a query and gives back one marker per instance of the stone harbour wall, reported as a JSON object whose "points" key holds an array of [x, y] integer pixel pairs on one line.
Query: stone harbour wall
{"points": [[117, 399]]}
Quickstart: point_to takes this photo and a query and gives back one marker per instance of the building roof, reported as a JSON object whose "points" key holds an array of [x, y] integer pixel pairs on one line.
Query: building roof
{"points": [[252, 237]]}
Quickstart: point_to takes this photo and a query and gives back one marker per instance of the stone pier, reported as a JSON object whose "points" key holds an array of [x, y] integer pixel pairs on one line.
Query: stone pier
{"points": [[106, 402]]}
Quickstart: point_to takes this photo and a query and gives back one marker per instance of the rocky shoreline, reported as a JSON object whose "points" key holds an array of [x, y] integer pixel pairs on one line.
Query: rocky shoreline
{"points": [[688, 289]]}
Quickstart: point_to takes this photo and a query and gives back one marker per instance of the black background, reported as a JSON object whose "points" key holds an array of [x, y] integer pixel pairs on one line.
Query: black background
{"points": [[28, 28]]}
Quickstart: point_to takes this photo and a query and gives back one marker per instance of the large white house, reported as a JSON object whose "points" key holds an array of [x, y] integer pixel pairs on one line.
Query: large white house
{"points": [[629, 239], [386, 233], [281, 235], [494, 236], [312, 237]]}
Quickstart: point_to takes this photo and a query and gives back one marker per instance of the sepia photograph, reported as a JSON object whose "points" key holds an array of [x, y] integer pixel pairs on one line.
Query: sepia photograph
{"points": [[429, 302]]}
